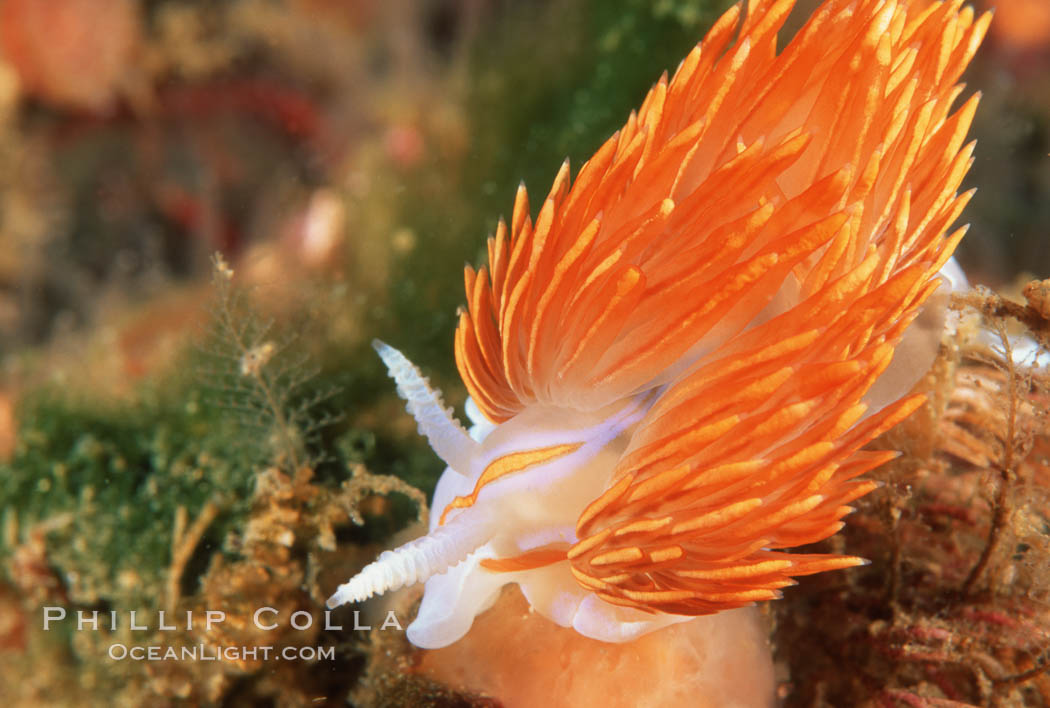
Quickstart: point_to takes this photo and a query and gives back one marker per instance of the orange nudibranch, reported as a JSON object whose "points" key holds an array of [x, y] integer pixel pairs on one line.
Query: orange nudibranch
{"points": [[674, 368]]}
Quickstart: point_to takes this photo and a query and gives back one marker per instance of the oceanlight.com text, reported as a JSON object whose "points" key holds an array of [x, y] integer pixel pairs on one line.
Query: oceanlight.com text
{"points": [[200, 652]]}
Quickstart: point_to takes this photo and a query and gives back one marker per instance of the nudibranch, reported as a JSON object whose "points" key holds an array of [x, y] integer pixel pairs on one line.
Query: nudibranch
{"points": [[673, 371]]}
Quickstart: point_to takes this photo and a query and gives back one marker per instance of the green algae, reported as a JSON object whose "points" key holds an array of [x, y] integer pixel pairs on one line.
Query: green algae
{"points": [[107, 479], [117, 474]]}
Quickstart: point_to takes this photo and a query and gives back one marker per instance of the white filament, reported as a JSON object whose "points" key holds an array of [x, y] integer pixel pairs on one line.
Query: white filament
{"points": [[436, 423], [414, 562]]}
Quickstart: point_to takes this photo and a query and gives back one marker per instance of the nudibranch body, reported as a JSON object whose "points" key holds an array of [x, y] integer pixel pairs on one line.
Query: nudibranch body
{"points": [[674, 369]]}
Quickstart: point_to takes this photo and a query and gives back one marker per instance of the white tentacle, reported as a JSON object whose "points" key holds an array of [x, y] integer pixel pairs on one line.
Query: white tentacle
{"points": [[437, 423], [413, 562]]}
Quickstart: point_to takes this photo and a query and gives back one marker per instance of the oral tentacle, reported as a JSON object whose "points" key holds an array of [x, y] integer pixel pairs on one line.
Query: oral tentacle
{"points": [[436, 423]]}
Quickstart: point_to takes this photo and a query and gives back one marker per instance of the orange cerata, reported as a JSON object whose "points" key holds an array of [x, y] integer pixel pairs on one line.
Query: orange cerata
{"points": [[674, 368]]}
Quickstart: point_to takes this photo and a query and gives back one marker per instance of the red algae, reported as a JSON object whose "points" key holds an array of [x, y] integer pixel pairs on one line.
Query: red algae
{"points": [[522, 659], [74, 53]]}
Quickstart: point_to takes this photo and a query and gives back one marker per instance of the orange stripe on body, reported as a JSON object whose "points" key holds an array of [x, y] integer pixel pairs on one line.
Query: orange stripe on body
{"points": [[529, 560], [509, 464]]}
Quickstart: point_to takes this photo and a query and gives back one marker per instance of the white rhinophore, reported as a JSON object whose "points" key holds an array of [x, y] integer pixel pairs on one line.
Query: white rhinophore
{"points": [[436, 423], [413, 562]]}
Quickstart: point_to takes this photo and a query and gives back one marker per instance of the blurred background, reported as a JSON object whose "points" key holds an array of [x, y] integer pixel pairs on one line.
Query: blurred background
{"points": [[374, 141], [346, 157]]}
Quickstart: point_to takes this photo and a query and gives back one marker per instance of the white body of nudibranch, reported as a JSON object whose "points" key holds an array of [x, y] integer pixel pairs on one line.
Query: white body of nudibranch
{"points": [[523, 484], [694, 341], [568, 455]]}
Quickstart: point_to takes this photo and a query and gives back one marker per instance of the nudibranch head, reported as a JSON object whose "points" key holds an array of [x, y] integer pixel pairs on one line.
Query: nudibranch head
{"points": [[673, 370]]}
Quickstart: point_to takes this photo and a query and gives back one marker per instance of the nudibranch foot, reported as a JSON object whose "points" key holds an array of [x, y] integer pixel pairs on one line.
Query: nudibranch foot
{"points": [[452, 600]]}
